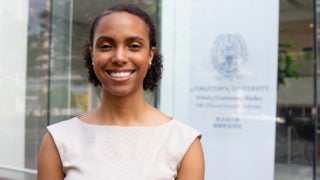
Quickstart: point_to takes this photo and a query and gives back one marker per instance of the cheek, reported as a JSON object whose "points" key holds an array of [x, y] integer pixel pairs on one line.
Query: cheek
{"points": [[99, 58], [145, 63]]}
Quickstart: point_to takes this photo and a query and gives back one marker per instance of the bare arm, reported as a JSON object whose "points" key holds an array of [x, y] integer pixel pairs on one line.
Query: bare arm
{"points": [[49, 162], [192, 165]]}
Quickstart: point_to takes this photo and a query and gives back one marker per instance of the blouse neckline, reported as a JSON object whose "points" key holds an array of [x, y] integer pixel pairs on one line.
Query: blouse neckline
{"points": [[124, 127]]}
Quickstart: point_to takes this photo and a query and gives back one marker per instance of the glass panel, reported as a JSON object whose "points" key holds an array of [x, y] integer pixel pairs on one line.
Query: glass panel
{"points": [[23, 80], [294, 136], [37, 79], [60, 61]]}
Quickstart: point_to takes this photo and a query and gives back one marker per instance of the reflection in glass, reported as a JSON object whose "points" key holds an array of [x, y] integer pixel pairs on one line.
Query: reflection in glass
{"points": [[295, 129], [37, 79]]}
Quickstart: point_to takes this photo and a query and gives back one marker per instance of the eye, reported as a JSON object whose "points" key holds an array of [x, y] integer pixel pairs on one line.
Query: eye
{"points": [[135, 46], [105, 47]]}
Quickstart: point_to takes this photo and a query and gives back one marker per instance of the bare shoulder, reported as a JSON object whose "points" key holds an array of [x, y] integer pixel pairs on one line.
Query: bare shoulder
{"points": [[192, 165], [49, 162]]}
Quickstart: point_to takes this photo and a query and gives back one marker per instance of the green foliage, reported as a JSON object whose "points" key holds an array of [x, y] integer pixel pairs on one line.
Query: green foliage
{"points": [[286, 67]]}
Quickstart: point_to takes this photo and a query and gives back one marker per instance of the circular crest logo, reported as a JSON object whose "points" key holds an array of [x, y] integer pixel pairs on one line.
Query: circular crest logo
{"points": [[229, 53]]}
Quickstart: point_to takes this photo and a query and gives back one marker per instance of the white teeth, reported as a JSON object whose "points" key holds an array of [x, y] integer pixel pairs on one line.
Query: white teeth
{"points": [[120, 74]]}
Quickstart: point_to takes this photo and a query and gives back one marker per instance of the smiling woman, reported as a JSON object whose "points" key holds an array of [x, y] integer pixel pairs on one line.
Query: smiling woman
{"points": [[124, 137]]}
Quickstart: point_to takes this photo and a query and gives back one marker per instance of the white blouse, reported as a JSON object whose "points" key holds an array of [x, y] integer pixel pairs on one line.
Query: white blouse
{"points": [[121, 152]]}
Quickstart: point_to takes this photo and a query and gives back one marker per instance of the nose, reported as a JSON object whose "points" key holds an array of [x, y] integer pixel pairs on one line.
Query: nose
{"points": [[120, 56]]}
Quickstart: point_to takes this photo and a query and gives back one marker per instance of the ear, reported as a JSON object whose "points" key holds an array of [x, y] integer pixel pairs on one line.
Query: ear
{"points": [[91, 51], [151, 53]]}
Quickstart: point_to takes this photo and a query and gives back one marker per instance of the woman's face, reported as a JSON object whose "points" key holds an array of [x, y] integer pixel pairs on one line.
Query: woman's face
{"points": [[121, 53]]}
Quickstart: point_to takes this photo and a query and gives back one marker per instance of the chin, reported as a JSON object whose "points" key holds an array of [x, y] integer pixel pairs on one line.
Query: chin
{"points": [[121, 92]]}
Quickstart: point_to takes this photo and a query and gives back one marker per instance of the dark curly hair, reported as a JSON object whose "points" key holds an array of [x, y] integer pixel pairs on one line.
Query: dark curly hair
{"points": [[151, 81]]}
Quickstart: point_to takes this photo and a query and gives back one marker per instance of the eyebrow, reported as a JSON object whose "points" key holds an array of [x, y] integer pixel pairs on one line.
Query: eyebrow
{"points": [[110, 39], [105, 38], [135, 38]]}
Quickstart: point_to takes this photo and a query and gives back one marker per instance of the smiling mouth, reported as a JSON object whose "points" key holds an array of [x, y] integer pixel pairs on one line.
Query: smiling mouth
{"points": [[122, 74]]}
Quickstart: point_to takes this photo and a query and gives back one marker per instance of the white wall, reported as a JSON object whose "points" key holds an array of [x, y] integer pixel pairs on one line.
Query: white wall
{"points": [[13, 57]]}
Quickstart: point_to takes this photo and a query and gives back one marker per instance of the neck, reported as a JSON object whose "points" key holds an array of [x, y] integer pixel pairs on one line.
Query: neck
{"points": [[126, 110]]}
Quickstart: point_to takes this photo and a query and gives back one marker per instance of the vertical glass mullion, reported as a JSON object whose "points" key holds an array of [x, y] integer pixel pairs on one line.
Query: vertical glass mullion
{"points": [[315, 86]]}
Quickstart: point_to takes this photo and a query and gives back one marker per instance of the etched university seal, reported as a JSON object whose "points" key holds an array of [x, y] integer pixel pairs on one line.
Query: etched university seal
{"points": [[229, 53]]}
